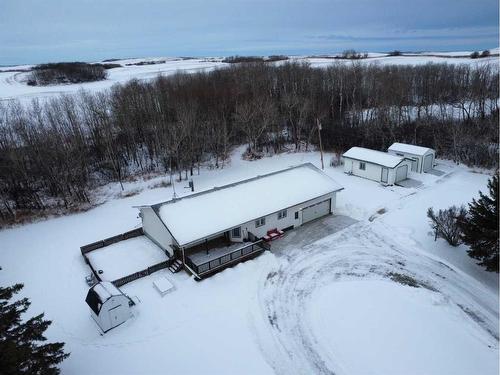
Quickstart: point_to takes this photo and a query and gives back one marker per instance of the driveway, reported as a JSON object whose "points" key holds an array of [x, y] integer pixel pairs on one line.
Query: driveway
{"points": [[311, 232], [410, 183]]}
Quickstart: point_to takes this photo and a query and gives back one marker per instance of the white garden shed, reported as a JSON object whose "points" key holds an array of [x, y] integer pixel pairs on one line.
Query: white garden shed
{"points": [[109, 306], [376, 165], [422, 158]]}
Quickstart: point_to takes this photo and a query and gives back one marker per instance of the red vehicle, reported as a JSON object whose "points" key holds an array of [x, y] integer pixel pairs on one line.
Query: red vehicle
{"points": [[273, 234]]}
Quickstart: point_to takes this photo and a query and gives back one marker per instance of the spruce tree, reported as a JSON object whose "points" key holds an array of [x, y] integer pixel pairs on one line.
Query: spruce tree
{"points": [[21, 348], [480, 227]]}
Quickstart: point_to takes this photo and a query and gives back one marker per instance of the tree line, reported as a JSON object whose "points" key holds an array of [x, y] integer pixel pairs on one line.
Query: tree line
{"points": [[54, 152], [67, 72]]}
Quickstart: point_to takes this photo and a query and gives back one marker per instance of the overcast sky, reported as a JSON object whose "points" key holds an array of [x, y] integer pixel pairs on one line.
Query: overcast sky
{"points": [[33, 31]]}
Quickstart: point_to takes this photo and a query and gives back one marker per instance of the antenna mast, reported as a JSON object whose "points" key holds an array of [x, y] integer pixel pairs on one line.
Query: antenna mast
{"points": [[172, 182]]}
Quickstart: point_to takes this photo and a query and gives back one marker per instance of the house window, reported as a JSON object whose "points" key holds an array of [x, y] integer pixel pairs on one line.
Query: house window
{"points": [[297, 215], [236, 232], [362, 165], [282, 214], [260, 222]]}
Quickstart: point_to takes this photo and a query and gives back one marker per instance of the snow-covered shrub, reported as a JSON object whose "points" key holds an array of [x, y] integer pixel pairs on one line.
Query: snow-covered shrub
{"points": [[336, 160], [130, 193], [445, 223], [161, 184]]}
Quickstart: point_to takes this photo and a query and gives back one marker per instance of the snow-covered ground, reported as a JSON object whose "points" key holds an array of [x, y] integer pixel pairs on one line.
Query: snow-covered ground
{"points": [[337, 305], [126, 257], [13, 85], [13, 78]]}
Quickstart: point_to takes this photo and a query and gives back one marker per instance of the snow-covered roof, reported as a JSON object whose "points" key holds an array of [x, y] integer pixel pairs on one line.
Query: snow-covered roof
{"points": [[410, 149], [105, 290], [200, 215], [373, 156]]}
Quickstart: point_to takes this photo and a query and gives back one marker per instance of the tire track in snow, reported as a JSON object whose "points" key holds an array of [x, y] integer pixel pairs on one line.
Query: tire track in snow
{"points": [[362, 251]]}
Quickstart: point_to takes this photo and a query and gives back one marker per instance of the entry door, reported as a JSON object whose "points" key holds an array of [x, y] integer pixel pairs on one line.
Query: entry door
{"points": [[115, 317], [315, 211], [385, 174]]}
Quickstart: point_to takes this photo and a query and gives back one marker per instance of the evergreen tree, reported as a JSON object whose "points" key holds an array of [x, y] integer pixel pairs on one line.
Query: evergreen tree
{"points": [[480, 227], [21, 351]]}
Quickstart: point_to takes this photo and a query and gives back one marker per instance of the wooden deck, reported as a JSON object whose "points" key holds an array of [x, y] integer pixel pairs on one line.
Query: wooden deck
{"points": [[215, 243], [224, 257]]}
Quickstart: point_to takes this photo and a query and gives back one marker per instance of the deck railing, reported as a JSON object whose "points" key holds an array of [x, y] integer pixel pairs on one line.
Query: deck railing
{"points": [[227, 259]]}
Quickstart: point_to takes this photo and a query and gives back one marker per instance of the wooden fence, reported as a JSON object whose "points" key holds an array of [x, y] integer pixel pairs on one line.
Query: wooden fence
{"points": [[111, 240], [145, 272]]}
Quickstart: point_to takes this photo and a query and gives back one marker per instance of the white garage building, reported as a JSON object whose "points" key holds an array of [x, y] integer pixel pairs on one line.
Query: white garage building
{"points": [[376, 165], [422, 158], [236, 216]]}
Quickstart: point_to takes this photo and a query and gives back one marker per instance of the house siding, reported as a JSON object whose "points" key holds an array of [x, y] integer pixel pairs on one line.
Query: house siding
{"points": [[272, 220], [155, 230], [420, 158], [372, 171]]}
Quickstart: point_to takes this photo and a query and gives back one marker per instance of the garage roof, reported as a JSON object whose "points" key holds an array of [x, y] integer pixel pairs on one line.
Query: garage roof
{"points": [[410, 149], [214, 211], [375, 157]]}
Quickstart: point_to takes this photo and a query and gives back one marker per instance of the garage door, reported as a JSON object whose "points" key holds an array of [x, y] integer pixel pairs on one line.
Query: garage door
{"points": [[315, 211], [427, 163], [401, 173]]}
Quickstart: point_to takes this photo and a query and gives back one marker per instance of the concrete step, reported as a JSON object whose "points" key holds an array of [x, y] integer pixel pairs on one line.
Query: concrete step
{"points": [[176, 266]]}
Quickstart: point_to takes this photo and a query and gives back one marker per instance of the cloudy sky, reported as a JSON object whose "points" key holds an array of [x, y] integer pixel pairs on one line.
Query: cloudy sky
{"points": [[33, 31]]}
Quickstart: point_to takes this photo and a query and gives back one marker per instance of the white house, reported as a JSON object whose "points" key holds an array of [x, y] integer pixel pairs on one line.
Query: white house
{"points": [[237, 216], [422, 158], [376, 165], [109, 306]]}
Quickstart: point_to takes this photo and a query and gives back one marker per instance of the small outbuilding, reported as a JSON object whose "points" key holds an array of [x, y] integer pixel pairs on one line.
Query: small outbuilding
{"points": [[422, 158], [378, 166], [109, 306]]}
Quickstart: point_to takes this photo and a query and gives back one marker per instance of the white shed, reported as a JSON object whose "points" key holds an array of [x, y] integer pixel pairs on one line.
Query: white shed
{"points": [[376, 165], [422, 158], [109, 306]]}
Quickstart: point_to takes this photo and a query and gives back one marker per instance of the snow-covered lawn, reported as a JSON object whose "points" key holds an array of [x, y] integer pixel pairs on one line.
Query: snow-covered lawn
{"points": [[335, 305], [426, 333], [126, 257], [342, 305]]}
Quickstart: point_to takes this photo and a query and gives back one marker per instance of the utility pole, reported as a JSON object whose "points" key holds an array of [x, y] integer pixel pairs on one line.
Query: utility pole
{"points": [[172, 182], [318, 123]]}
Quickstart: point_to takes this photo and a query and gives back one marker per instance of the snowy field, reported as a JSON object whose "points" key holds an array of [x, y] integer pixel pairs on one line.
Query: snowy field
{"points": [[337, 305], [13, 78], [13, 86], [126, 257]]}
